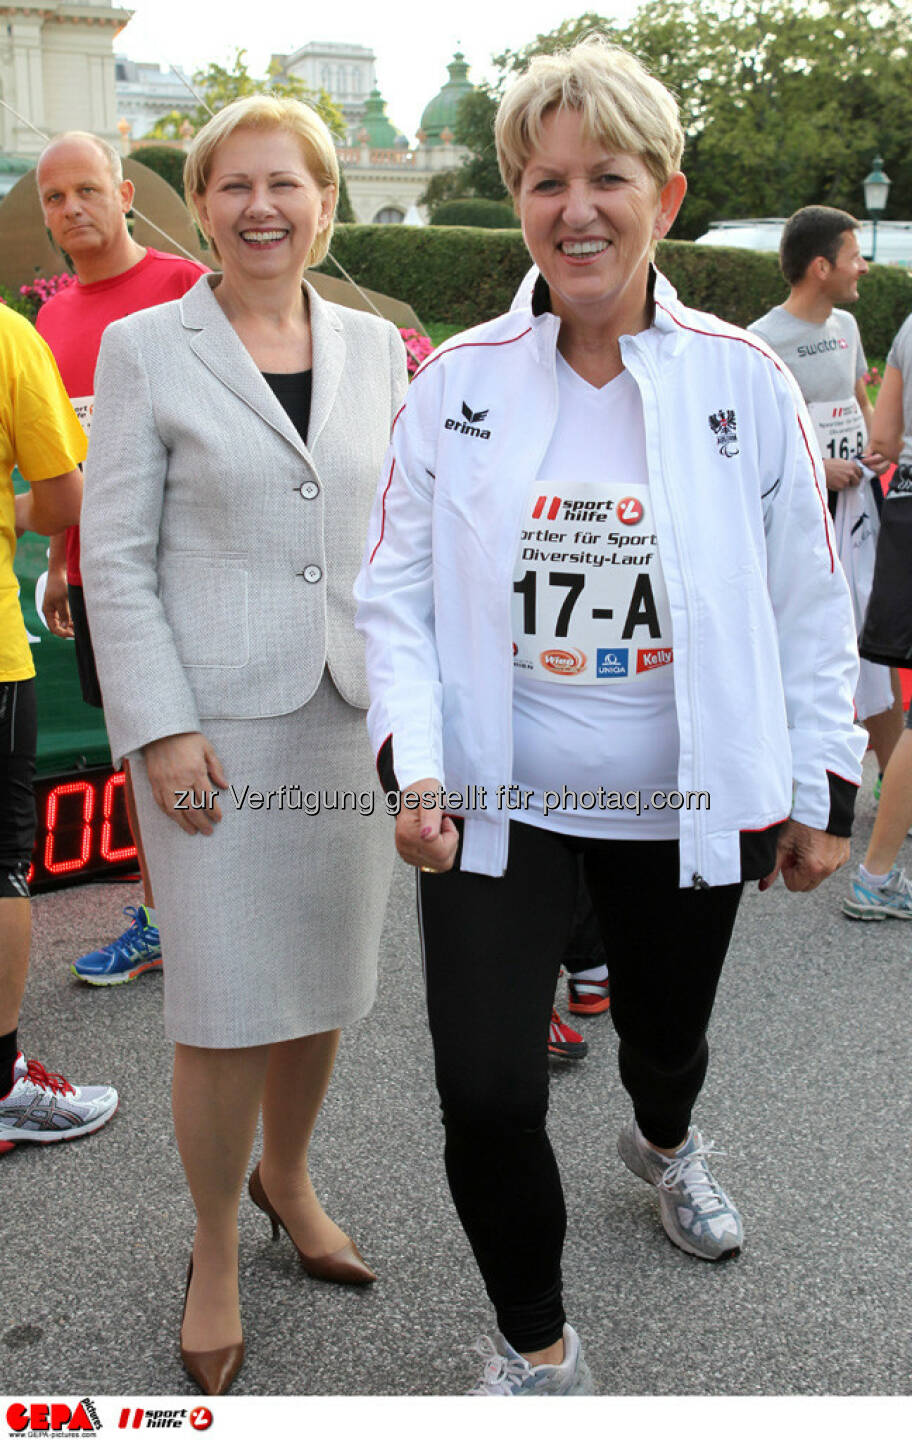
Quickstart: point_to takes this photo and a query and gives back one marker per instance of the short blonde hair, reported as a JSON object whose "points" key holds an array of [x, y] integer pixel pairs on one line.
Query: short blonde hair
{"points": [[265, 112], [620, 102]]}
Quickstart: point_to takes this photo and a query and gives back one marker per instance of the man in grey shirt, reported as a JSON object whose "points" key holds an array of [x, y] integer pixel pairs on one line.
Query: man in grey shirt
{"points": [[821, 260]]}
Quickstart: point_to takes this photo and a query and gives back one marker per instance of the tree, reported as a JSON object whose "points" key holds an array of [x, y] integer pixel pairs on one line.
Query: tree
{"points": [[217, 85], [783, 102]]}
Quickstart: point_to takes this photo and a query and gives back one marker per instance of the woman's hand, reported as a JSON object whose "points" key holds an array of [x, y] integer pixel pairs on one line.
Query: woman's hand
{"points": [[426, 837], [806, 856], [183, 771]]}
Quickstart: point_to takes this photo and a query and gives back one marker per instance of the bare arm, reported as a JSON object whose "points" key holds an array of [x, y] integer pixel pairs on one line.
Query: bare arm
{"points": [[55, 606], [50, 505], [873, 456], [886, 429]]}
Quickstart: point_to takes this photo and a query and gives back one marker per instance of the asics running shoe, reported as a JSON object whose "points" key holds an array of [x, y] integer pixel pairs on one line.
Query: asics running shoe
{"points": [[696, 1212], [138, 949], [879, 902], [43, 1107], [506, 1372]]}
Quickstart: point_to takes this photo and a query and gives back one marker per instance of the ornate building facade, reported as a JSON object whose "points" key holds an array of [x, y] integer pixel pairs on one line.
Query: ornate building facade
{"points": [[57, 71]]}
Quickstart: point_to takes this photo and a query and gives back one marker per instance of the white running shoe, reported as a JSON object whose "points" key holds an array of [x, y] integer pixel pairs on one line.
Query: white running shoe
{"points": [[696, 1212], [892, 899], [507, 1372], [43, 1107]]}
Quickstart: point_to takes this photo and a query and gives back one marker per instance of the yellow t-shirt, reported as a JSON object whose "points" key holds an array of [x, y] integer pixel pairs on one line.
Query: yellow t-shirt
{"points": [[39, 432]]}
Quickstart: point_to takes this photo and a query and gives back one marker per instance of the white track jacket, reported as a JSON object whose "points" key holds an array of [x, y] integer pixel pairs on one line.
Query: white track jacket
{"points": [[764, 637]]}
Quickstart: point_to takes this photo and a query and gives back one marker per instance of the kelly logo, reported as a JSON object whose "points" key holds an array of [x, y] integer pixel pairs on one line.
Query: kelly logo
{"points": [[470, 424], [611, 664], [652, 659]]}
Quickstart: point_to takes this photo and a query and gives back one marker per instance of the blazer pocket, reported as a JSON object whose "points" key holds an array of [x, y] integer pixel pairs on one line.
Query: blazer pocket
{"points": [[205, 600]]}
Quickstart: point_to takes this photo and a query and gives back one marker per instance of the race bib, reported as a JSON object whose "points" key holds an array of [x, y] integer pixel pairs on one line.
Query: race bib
{"points": [[839, 427], [84, 405], [589, 600]]}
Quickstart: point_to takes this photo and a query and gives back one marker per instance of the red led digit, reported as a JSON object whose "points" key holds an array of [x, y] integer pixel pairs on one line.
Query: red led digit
{"points": [[113, 854], [75, 787]]}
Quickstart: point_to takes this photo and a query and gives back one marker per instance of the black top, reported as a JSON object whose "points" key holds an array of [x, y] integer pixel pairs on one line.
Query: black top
{"points": [[293, 394]]}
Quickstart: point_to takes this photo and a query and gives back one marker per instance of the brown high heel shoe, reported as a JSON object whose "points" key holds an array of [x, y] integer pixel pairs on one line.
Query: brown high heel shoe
{"points": [[344, 1266], [213, 1370]]}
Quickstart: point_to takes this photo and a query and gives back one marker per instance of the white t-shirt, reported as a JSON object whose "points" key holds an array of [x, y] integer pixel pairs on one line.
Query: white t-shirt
{"points": [[593, 695]]}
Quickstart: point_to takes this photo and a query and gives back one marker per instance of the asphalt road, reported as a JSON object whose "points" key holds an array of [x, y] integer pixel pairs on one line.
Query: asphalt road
{"points": [[808, 1093]]}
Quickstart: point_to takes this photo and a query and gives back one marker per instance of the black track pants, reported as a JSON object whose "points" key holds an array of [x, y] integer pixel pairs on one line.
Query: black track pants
{"points": [[492, 951]]}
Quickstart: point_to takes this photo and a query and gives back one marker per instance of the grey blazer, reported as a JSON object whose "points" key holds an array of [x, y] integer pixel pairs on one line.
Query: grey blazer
{"points": [[218, 550]]}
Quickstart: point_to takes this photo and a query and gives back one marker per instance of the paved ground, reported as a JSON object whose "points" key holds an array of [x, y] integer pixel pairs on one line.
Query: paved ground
{"points": [[808, 1092]]}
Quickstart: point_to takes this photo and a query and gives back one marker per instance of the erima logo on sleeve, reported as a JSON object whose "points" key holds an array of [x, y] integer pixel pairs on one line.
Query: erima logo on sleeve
{"points": [[470, 424]]}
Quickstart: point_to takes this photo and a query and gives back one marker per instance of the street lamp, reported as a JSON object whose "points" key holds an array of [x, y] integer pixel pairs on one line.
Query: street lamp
{"points": [[876, 189]]}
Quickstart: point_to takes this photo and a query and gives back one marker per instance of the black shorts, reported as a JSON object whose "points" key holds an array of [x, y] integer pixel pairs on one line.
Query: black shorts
{"points": [[85, 655], [18, 741]]}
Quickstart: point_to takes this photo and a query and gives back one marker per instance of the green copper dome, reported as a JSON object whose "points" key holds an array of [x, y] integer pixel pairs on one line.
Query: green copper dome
{"points": [[440, 114], [381, 133]]}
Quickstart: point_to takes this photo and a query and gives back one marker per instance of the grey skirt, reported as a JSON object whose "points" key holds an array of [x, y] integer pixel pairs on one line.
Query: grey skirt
{"points": [[270, 926]]}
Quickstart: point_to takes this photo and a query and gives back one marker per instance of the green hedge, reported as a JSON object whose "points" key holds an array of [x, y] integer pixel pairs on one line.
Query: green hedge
{"points": [[165, 161], [460, 276], [486, 214]]}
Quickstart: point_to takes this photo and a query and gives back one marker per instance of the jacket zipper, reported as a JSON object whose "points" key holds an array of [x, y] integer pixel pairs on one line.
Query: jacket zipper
{"points": [[639, 351]]}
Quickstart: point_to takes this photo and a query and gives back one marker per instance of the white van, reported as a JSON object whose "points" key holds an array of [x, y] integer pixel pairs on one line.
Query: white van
{"points": [[894, 238]]}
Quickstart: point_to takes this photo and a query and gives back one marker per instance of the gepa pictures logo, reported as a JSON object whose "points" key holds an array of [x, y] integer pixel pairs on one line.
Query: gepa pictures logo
{"points": [[470, 424], [43, 1417]]}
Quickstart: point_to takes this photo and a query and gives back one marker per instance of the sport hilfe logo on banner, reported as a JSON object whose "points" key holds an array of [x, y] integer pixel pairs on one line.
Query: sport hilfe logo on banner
{"points": [[589, 598]]}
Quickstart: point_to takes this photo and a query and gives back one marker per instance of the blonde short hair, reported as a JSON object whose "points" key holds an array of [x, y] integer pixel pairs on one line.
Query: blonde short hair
{"points": [[265, 112], [620, 102]]}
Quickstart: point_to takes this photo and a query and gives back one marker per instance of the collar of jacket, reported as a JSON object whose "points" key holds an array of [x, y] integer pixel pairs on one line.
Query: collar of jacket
{"points": [[668, 317], [214, 339]]}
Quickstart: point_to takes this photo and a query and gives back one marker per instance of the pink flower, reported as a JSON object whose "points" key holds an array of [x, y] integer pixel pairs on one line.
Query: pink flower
{"points": [[418, 348]]}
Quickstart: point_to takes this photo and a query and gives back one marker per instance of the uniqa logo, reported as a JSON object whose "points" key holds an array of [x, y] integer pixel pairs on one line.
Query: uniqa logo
{"points": [[563, 662]]}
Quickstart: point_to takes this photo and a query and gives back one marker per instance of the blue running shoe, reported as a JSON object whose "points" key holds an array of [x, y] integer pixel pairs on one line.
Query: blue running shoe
{"points": [[138, 949], [891, 900]]}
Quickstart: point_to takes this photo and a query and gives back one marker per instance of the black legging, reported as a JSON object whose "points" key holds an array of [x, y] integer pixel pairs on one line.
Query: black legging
{"points": [[492, 950]]}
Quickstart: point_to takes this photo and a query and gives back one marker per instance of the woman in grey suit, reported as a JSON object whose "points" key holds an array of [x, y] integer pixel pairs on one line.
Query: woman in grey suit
{"points": [[237, 436]]}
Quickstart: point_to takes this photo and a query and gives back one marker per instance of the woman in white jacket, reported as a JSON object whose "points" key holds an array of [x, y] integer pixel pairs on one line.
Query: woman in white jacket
{"points": [[622, 497]]}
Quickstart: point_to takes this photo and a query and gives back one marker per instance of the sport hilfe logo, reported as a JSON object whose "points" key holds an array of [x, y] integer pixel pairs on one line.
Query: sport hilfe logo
{"points": [[629, 510], [470, 424], [56, 1418], [563, 662], [652, 659], [612, 664]]}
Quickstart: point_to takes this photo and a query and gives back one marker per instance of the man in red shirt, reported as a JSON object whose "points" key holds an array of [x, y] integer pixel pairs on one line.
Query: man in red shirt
{"points": [[85, 201]]}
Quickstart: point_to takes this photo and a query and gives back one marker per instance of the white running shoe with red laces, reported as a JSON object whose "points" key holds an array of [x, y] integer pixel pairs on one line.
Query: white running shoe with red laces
{"points": [[43, 1107]]}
